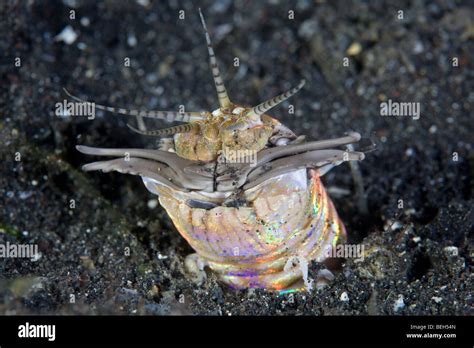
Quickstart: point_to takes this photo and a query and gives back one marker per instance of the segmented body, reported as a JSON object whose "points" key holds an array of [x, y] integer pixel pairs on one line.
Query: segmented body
{"points": [[247, 220], [288, 215]]}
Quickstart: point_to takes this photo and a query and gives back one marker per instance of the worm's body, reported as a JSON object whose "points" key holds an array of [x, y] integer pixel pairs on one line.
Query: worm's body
{"points": [[241, 188], [286, 216]]}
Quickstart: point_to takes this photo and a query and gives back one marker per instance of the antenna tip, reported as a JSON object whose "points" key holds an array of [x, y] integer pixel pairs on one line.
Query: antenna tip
{"points": [[202, 17]]}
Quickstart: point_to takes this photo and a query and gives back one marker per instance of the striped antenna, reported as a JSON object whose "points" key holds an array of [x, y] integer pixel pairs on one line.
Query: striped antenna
{"points": [[182, 128], [260, 109], [170, 116], [224, 100]]}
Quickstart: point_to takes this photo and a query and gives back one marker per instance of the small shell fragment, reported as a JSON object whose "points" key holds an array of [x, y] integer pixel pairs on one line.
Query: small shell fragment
{"points": [[67, 35]]}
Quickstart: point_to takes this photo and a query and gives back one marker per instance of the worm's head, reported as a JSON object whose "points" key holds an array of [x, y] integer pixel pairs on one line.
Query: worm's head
{"points": [[242, 130]]}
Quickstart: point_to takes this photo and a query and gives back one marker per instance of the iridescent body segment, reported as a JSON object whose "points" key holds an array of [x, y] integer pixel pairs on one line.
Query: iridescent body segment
{"points": [[250, 246], [256, 222]]}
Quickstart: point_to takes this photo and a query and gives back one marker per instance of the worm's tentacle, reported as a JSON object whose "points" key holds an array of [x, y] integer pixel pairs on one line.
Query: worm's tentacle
{"points": [[224, 100], [260, 109], [170, 116], [165, 132]]}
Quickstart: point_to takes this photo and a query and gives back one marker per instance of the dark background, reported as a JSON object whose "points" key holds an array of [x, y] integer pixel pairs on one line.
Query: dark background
{"points": [[407, 270]]}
